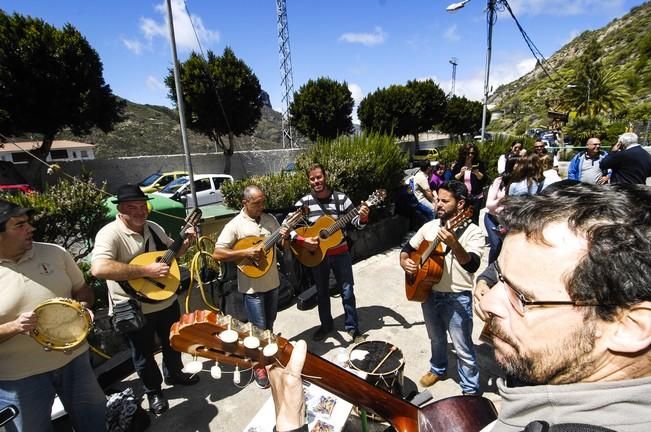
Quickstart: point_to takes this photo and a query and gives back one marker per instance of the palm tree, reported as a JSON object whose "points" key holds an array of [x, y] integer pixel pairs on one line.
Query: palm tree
{"points": [[598, 93]]}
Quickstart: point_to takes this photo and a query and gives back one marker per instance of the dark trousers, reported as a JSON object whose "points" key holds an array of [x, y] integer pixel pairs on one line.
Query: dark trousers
{"points": [[342, 266], [143, 347]]}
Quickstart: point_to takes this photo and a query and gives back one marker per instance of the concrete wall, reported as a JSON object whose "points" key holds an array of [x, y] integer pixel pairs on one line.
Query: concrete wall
{"points": [[134, 169]]}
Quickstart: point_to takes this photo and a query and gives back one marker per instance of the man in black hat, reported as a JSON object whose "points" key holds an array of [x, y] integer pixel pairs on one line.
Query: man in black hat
{"points": [[116, 244], [32, 273]]}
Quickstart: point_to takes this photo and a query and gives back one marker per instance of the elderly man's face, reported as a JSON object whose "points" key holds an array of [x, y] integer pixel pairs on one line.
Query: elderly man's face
{"points": [[134, 213], [542, 344], [592, 147]]}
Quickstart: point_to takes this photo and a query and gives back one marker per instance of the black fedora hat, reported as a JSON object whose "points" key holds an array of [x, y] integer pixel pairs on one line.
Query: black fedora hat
{"points": [[9, 210], [130, 192]]}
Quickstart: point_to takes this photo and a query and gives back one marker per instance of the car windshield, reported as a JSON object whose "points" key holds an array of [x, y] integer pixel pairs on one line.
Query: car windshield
{"points": [[175, 185], [150, 180]]}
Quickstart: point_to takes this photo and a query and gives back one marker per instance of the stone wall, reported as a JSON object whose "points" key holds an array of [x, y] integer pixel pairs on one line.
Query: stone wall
{"points": [[116, 172]]}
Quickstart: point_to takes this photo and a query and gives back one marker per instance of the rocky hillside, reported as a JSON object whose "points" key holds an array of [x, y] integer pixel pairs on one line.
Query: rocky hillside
{"points": [[625, 42], [150, 130]]}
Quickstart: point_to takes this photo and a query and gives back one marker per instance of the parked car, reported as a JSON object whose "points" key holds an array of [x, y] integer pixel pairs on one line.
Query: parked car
{"points": [[207, 186], [488, 136], [11, 181], [424, 155], [158, 180]]}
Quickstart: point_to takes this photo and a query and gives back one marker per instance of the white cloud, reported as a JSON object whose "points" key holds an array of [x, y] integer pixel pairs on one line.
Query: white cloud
{"points": [[451, 33], [155, 84], [501, 73], [561, 7], [184, 32], [358, 95], [133, 45], [377, 37]]}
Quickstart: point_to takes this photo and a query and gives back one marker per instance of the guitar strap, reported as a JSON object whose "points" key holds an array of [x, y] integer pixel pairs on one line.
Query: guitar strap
{"points": [[160, 246], [334, 196]]}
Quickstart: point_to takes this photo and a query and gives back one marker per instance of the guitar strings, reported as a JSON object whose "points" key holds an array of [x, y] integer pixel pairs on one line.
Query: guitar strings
{"points": [[301, 375]]}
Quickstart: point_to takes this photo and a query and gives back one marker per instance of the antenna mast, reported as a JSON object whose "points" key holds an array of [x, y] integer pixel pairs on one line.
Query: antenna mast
{"points": [[286, 75], [453, 62]]}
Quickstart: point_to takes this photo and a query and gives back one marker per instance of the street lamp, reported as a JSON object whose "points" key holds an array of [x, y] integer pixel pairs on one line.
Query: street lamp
{"points": [[490, 10], [587, 105]]}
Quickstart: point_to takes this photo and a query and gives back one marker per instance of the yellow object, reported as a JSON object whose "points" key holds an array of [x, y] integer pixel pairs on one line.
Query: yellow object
{"points": [[62, 324], [158, 181], [156, 289]]}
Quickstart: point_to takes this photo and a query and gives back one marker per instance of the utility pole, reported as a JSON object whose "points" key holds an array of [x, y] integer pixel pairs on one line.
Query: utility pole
{"points": [[453, 62], [286, 74]]}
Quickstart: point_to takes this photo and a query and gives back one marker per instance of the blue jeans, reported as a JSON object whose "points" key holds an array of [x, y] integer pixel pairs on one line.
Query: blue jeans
{"points": [[494, 237], [426, 210], [142, 347], [77, 387], [342, 266], [452, 312], [262, 308]]}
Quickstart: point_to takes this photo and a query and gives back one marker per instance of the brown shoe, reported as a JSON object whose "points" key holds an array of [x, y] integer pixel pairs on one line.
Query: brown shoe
{"points": [[429, 379]]}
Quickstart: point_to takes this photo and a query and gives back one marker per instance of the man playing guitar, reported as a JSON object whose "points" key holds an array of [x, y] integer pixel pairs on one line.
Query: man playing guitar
{"points": [[261, 293], [449, 305], [325, 201]]}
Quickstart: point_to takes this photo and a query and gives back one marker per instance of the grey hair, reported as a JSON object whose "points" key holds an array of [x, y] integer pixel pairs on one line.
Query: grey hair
{"points": [[628, 138], [249, 191]]}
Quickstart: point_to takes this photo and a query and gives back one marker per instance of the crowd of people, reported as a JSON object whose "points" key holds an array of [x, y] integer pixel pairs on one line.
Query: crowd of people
{"points": [[566, 298]]}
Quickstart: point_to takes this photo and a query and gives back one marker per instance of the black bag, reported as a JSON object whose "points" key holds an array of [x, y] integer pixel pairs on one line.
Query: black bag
{"points": [[127, 316], [307, 299]]}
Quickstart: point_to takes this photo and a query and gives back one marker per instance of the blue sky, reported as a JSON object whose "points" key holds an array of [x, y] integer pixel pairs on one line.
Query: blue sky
{"points": [[369, 44]]}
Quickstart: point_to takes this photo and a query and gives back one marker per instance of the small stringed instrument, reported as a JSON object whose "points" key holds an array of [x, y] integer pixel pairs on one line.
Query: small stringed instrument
{"points": [[154, 290], [228, 341], [329, 232], [430, 260], [258, 268]]}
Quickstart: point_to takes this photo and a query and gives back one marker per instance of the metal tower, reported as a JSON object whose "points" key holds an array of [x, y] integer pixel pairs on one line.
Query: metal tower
{"points": [[286, 75], [453, 62]]}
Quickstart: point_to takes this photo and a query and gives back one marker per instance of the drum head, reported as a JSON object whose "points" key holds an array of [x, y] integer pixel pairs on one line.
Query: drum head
{"points": [[376, 358], [62, 324]]}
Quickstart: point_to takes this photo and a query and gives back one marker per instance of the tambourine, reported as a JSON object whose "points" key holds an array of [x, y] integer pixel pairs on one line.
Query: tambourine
{"points": [[62, 324]]}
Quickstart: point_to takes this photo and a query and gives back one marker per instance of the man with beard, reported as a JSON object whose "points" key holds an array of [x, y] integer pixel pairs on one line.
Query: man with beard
{"points": [[448, 307], [570, 315]]}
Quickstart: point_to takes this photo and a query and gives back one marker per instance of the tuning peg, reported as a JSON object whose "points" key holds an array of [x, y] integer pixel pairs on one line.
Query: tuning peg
{"points": [[228, 335], [251, 342], [236, 375], [193, 367], [271, 348], [216, 371]]}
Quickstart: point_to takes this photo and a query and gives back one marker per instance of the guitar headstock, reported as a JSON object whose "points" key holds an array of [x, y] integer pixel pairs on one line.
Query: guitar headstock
{"points": [[376, 197], [459, 218], [295, 217], [193, 218], [223, 338]]}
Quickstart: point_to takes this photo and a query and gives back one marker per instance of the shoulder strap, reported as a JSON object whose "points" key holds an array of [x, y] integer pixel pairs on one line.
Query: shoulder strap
{"points": [[160, 246], [320, 204], [336, 198]]}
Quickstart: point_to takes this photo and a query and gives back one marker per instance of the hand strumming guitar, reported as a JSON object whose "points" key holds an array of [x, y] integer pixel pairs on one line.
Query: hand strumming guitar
{"points": [[311, 243], [155, 270]]}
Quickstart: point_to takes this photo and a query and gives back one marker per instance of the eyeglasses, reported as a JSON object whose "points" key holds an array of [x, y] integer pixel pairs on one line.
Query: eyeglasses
{"points": [[520, 302]]}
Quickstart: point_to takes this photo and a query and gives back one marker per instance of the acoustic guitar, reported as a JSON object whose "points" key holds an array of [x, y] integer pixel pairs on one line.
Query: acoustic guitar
{"points": [[329, 232], [257, 268], [430, 260], [228, 341], [154, 290]]}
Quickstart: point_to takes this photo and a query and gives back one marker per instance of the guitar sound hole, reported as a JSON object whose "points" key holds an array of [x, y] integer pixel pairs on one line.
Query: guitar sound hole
{"points": [[323, 234], [158, 259]]}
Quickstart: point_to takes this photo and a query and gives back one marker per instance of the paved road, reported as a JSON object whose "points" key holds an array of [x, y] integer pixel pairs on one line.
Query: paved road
{"points": [[385, 315]]}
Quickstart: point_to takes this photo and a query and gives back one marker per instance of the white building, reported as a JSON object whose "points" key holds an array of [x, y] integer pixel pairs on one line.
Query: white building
{"points": [[61, 151]]}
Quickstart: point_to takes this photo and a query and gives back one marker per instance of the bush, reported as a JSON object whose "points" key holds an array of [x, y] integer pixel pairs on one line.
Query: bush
{"points": [[357, 165], [69, 214]]}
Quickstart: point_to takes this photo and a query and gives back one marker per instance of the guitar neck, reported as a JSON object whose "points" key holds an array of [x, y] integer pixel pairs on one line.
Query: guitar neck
{"points": [[342, 221], [172, 250], [402, 415]]}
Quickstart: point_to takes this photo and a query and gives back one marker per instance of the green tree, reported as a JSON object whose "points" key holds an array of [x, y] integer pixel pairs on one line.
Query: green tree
{"points": [[428, 106], [51, 79], [594, 90], [385, 111], [463, 116], [222, 97], [322, 109]]}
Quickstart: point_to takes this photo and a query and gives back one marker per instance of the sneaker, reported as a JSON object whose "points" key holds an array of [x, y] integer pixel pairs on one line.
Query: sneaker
{"points": [[261, 379], [157, 403], [429, 379], [321, 333], [356, 336]]}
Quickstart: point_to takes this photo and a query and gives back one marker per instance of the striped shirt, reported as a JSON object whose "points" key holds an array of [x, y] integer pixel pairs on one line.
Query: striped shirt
{"points": [[332, 209]]}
